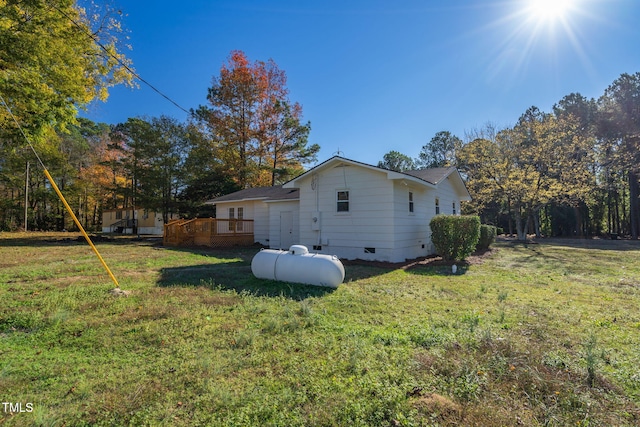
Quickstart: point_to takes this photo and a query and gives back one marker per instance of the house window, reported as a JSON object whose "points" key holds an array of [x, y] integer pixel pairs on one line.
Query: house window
{"points": [[454, 208], [118, 214], [240, 217], [342, 201], [410, 202], [232, 215], [437, 206]]}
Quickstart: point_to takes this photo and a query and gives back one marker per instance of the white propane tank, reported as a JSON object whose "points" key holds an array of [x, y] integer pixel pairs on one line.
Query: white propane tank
{"points": [[297, 265]]}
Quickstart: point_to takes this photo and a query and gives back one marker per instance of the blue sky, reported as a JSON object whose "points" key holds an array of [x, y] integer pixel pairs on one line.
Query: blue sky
{"points": [[374, 76]]}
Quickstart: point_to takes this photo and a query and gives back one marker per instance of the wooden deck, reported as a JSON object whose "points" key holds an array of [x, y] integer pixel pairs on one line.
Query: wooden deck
{"points": [[211, 232]]}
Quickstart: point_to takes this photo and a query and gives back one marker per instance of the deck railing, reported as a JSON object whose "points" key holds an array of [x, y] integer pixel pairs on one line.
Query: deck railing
{"points": [[121, 225], [212, 232]]}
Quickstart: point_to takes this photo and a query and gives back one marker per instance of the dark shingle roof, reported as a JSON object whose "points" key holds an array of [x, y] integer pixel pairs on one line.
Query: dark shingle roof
{"points": [[432, 175], [260, 193]]}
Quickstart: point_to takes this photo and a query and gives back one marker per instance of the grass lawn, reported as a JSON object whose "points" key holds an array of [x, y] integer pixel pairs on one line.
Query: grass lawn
{"points": [[536, 335]]}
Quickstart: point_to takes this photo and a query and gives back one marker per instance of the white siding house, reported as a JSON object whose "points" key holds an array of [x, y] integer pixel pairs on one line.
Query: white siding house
{"points": [[267, 207], [351, 209]]}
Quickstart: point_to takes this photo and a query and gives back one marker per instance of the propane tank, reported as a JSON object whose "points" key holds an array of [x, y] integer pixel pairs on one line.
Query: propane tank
{"points": [[297, 265]]}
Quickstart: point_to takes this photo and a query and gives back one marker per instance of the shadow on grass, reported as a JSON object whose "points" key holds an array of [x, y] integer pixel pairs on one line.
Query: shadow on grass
{"points": [[586, 243], [37, 239], [359, 271], [534, 254], [426, 266], [354, 270], [236, 275]]}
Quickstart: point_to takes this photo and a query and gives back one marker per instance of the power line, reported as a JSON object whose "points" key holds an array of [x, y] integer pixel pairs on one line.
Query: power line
{"points": [[131, 71], [59, 193]]}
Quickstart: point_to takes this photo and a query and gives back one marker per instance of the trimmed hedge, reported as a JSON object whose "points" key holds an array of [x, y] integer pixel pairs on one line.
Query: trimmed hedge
{"points": [[455, 237], [487, 237]]}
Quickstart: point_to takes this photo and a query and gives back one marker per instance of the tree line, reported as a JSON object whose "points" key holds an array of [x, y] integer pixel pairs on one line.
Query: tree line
{"points": [[570, 172], [573, 171], [248, 133]]}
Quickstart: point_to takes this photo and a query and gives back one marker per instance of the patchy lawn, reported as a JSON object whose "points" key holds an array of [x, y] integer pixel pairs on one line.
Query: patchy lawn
{"points": [[538, 334]]}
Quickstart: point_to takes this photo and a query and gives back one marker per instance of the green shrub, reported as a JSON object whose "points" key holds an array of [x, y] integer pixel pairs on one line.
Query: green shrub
{"points": [[487, 237], [455, 237]]}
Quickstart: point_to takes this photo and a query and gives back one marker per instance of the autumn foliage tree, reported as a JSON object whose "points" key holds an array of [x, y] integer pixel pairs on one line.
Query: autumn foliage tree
{"points": [[55, 58], [285, 142], [525, 168], [257, 131], [150, 152]]}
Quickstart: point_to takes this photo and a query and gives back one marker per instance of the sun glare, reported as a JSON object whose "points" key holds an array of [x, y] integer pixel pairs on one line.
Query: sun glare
{"points": [[549, 10], [540, 33]]}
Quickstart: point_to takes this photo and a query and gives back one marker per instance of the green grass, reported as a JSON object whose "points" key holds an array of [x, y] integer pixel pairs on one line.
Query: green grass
{"points": [[537, 335]]}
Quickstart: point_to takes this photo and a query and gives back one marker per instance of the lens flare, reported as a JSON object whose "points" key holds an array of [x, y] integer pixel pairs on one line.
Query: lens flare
{"points": [[549, 10]]}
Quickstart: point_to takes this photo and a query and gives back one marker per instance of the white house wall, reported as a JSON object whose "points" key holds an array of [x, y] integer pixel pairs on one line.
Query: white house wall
{"points": [[411, 229], [275, 208], [261, 222], [378, 226], [447, 195], [368, 224], [256, 210]]}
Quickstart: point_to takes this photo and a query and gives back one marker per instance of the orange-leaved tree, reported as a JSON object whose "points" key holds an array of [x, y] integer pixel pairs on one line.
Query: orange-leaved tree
{"points": [[257, 132]]}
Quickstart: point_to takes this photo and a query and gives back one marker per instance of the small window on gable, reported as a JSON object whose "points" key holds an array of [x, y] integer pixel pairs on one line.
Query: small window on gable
{"points": [[437, 206], [342, 201], [454, 208], [410, 202]]}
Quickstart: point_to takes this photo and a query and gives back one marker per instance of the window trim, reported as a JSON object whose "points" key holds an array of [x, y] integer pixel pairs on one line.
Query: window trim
{"points": [[231, 217], [411, 204], [240, 218], [437, 205], [343, 202]]}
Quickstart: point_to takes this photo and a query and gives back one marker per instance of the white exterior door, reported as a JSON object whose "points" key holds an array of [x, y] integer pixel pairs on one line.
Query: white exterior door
{"points": [[286, 229]]}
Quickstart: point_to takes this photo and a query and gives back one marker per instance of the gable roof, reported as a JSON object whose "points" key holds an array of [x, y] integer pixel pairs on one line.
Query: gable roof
{"points": [[433, 175], [290, 190], [265, 194], [337, 161], [428, 177]]}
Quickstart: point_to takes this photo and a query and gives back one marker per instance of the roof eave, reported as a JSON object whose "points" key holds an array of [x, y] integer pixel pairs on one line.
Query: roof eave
{"points": [[391, 175], [403, 176], [467, 196], [246, 199], [282, 200]]}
